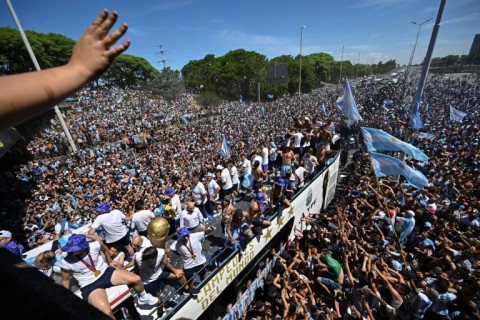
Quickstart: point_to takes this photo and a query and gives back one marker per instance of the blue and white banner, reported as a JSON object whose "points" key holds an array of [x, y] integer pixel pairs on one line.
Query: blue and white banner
{"points": [[324, 110], [225, 149], [415, 121], [376, 139], [457, 115], [347, 106], [384, 165]]}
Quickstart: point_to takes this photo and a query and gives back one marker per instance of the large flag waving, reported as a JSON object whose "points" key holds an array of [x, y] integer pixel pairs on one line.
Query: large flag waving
{"points": [[347, 106], [225, 149], [384, 165], [415, 121], [457, 115], [376, 139]]}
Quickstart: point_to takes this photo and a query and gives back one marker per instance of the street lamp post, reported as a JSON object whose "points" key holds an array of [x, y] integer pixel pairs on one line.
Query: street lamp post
{"points": [[414, 47], [300, 74]]}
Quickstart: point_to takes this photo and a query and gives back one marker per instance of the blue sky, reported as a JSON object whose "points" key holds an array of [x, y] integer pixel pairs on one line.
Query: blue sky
{"points": [[189, 29]]}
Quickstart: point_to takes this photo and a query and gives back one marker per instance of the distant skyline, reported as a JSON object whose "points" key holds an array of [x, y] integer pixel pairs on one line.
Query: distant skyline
{"points": [[190, 29]]}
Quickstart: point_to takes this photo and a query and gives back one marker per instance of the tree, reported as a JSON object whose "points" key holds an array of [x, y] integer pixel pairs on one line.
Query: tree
{"points": [[168, 83], [50, 49], [322, 66], [208, 99]]}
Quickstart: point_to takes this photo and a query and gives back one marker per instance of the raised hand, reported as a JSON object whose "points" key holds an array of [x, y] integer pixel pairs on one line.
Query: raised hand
{"points": [[92, 53]]}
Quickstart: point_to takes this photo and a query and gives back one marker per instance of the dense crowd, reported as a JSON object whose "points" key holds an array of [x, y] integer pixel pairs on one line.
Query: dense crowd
{"points": [[388, 251]]}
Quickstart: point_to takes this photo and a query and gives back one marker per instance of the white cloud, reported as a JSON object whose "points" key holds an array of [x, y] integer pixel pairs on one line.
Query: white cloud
{"points": [[430, 9], [138, 33], [470, 17]]}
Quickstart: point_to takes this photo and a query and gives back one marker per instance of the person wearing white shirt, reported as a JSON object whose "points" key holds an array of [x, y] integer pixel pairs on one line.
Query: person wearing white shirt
{"points": [[154, 268], [175, 201], [141, 218], [112, 223], [213, 193], [226, 181], [191, 218], [265, 158], [86, 264], [297, 138], [199, 195], [246, 166], [272, 155], [300, 174], [235, 178], [190, 247]]}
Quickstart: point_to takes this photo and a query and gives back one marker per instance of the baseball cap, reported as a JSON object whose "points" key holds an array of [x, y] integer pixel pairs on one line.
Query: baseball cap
{"points": [[76, 242], [219, 167], [183, 232], [5, 234]]}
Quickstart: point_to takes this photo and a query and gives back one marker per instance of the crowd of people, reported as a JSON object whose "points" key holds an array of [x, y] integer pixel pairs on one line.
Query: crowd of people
{"points": [[388, 251]]}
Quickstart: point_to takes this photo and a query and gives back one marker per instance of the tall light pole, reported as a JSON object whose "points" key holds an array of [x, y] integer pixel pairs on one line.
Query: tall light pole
{"points": [[414, 47], [300, 74]]}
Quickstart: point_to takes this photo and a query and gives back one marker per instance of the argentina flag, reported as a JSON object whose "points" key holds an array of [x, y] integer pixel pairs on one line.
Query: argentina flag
{"points": [[415, 121], [225, 149], [376, 139], [457, 115], [347, 106], [384, 165]]}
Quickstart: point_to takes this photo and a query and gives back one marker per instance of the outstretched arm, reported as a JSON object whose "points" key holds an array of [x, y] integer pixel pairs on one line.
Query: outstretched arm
{"points": [[24, 96]]}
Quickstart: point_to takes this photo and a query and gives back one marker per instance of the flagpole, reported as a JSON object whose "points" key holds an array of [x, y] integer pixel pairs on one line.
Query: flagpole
{"points": [[341, 65], [428, 57], [300, 73], [37, 67]]}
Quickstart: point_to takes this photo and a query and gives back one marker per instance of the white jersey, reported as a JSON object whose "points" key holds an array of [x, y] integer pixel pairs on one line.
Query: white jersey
{"points": [[212, 189], [186, 249], [197, 192], [191, 220], [297, 138], [265, 156], [176, 203], [112, 225], [234, 175], [149, 271], [80, 271], [226, 179], [142, 218], [247, 166]]}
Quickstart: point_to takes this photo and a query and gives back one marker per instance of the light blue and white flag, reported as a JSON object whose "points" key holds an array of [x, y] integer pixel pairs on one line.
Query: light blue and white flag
{"points": [[347, 106], [415, 120], [384, 165], [424, 135], [457, 115], [376, 139], [225, 149], [387, 102], [324, 110]]}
